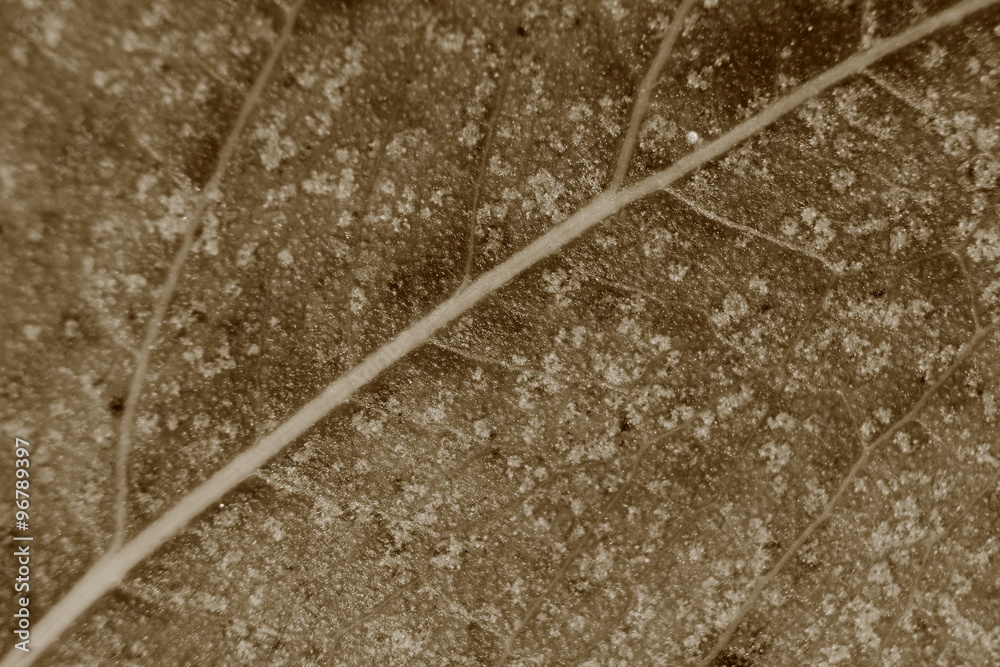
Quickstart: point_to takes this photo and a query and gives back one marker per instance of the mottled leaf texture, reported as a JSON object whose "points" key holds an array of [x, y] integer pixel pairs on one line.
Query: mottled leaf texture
{"points": [[719, 389]]}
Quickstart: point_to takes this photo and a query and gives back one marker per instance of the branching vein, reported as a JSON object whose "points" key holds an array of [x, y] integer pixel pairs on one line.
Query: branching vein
{"points": [[725, 222], [859, 464], [166, 292], [646, 91]]}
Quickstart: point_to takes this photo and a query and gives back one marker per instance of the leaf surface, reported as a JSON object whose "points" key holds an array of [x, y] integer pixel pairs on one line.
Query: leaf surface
{"points": [[750, 418]]}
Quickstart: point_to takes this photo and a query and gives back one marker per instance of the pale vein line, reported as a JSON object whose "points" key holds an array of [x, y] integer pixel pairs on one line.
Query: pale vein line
{"points": [[166, 291], [910, 599], [924, 109], [725, 222], [859, 464], [868, 23], [491, 131], [970, 287], [108, 571], [633, 472], [586, 541], [849, 67], [572, 379], [646, 91], [661, 437]]}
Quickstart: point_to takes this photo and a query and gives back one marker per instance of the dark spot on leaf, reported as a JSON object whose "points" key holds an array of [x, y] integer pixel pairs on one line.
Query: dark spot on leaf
{"points": [[274, 13], [116, 406], [199, 162], [730, 658], [764, 307], [482, 643], [624, 424], [232, 325], [521, 32], [879, 293]]}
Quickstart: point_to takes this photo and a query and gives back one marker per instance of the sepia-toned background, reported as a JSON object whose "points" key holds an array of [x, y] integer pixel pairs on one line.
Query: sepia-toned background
{"points": [[777, 381]]}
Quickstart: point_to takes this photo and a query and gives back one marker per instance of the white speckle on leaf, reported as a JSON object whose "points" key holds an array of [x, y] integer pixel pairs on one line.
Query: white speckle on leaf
{"points": [[208, 242], [547, 191], [142, 186], [134, 283], [368, 424], [656, 132], [350, 67], [734, 309], [692, 137], [898, 240], [821, 227], [699, 81], [130, 41], [279, 196], [358, 300], [387, 187], [656, 245], [990, 407], [676, 272], [341, 186], [629, 328], [561, 285], [285, 258], [31, 331], [614, 7], [436, 414], [884, 415], [175, 221], [759, 285], [482, 429], [841, 180], [452, 558], [246, 253], [876, 360], [985, 246], [777, 456], [319, 122], [661, 343], [52, 28], [470, 134], [451, 42], [276, 148], [274, 529], [782, 420]]}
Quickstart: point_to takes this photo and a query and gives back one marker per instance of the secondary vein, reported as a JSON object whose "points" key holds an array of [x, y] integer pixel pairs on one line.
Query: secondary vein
{"points": [[169, 287]]}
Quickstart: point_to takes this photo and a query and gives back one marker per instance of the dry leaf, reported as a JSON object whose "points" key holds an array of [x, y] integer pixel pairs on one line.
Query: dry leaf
{"points": [[741, 411]]}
